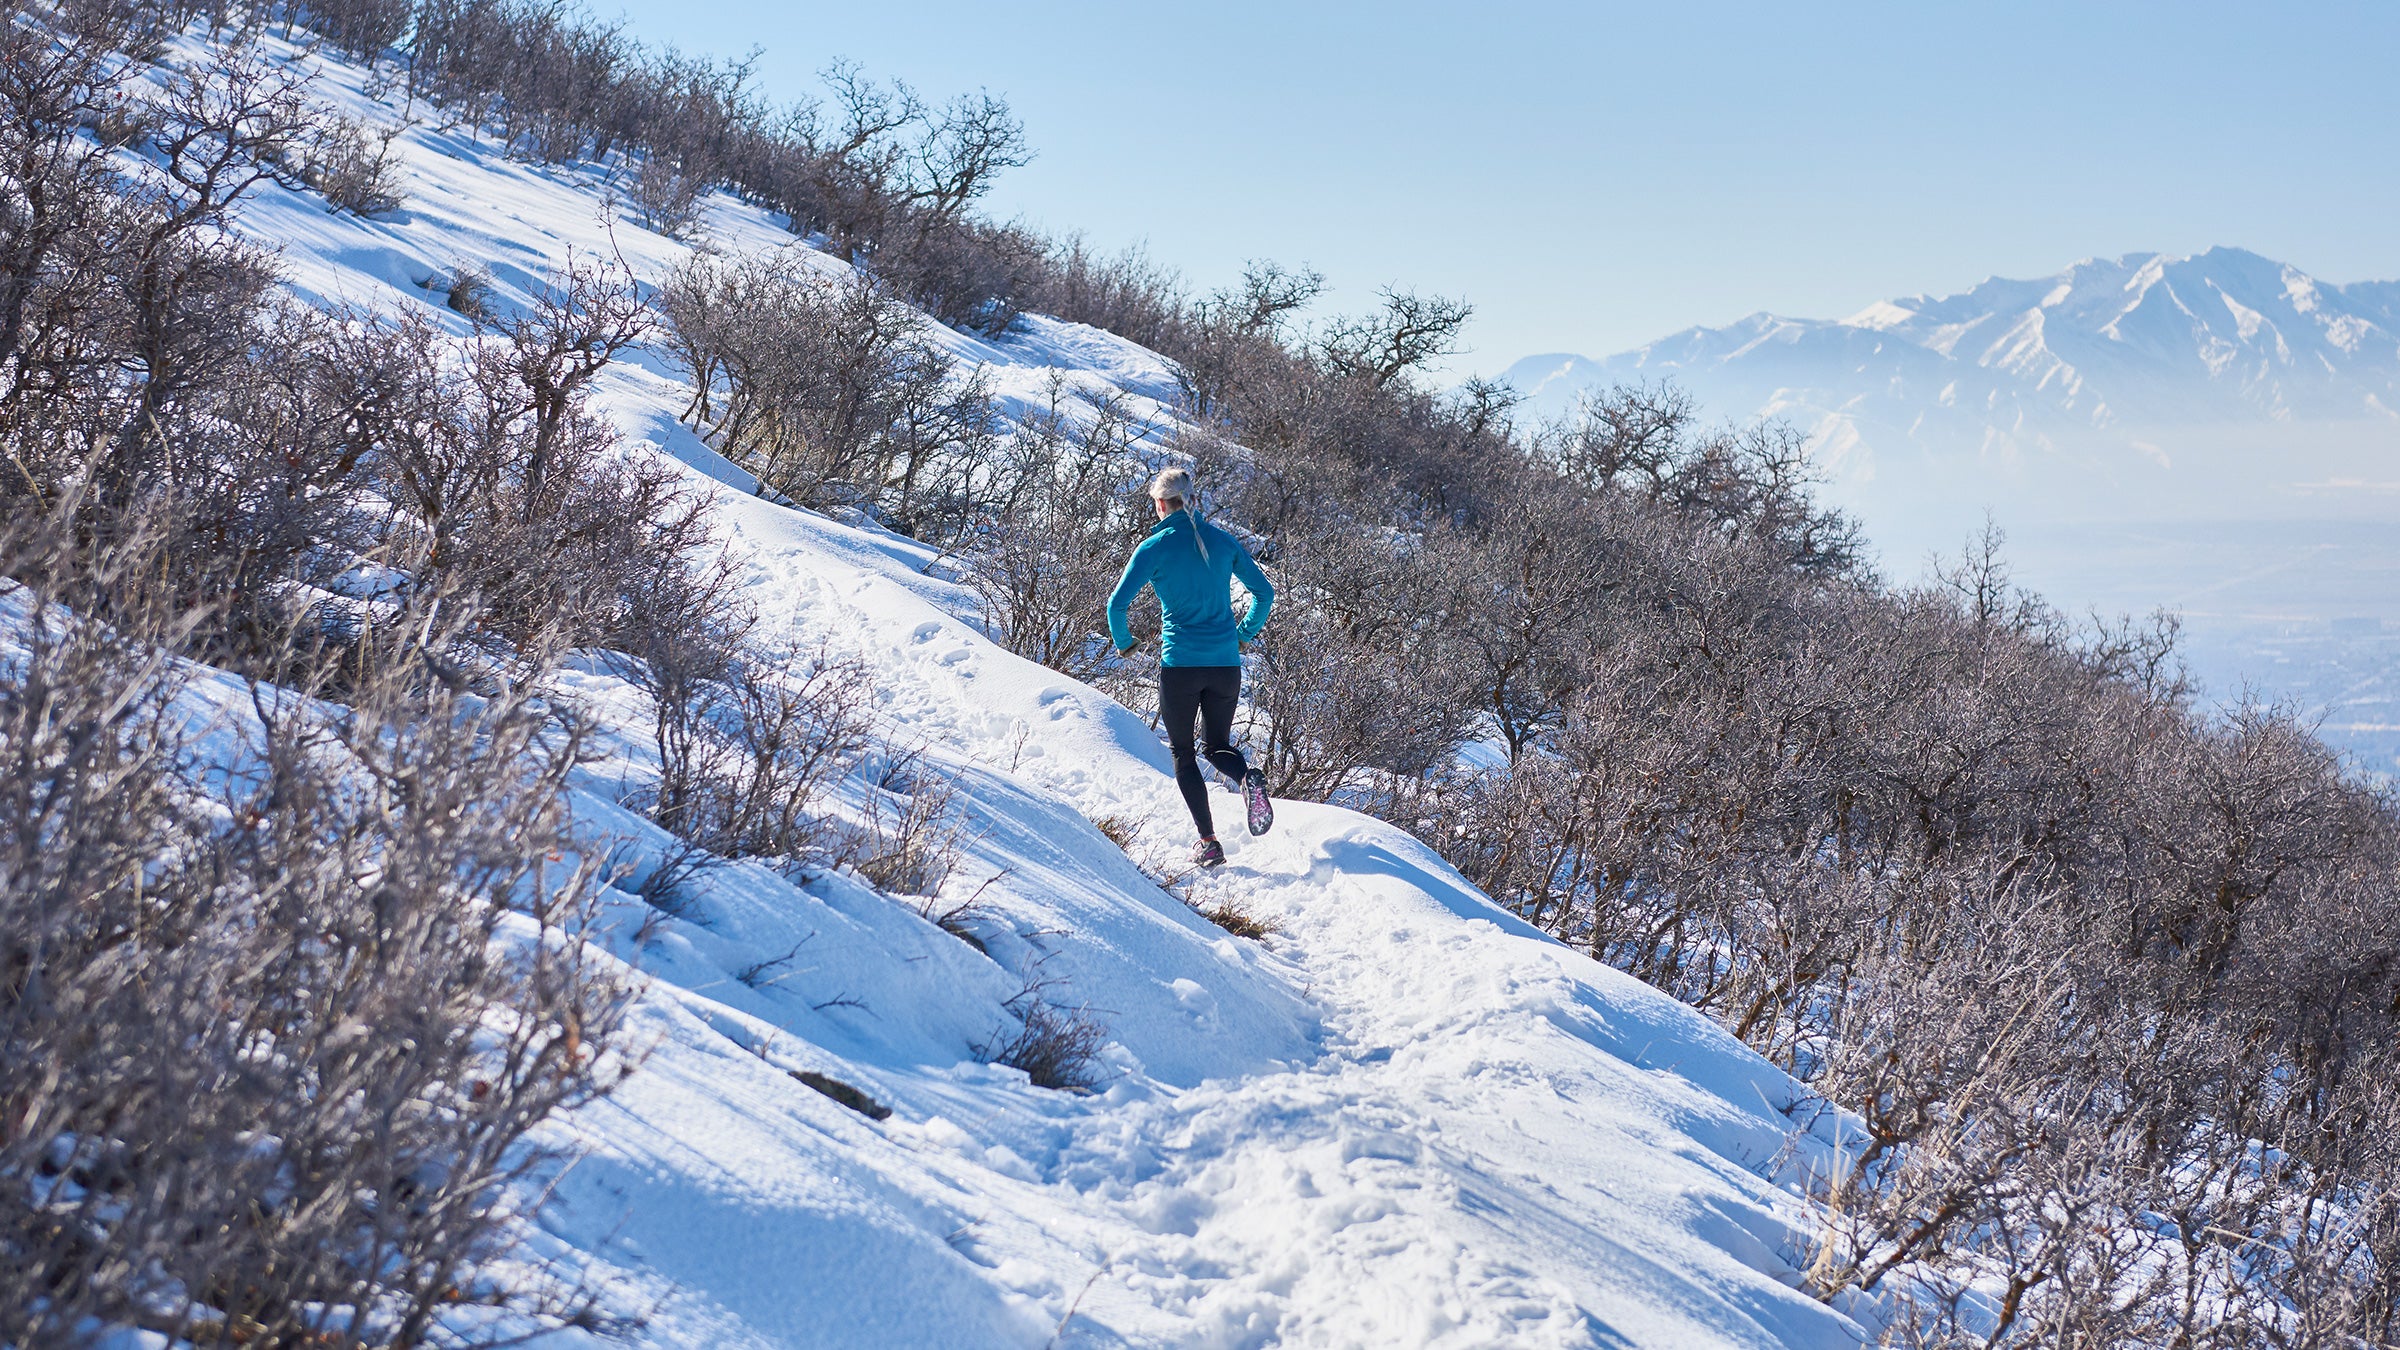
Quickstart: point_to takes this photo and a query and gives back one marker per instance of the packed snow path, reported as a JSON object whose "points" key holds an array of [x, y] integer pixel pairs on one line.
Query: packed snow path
{"points": [[1405, 1119]]}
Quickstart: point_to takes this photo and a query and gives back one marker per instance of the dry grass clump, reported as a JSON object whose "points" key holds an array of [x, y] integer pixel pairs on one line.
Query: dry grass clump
{"points": [[1057, 1047], [1236, 917], [1119, 829]]}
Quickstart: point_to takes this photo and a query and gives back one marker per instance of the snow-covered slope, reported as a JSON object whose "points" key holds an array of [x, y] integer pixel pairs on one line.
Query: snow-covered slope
{"points": [[2222, 384], [1406, 1119]]}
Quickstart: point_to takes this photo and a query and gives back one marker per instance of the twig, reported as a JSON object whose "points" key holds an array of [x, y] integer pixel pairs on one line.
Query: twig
{"points": [[1071, 1307]]}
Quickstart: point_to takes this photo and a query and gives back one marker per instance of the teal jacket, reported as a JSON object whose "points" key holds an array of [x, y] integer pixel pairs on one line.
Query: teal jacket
{"points": [[1193, 593]]}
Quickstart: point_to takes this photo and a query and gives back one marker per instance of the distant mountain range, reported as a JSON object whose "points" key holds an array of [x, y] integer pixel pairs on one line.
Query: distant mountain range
{"points": [[2146, 386]]}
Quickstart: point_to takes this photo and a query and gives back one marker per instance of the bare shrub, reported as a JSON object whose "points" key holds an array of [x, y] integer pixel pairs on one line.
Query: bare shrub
{"points": [[1752, 480], [124, 304], [1066, 515], [1232, 347], [1357, 689], [353, 167], [959, 918], [351, 926], [510, 487], [668, 193], [825, 389], [910, 842], [889, 179], [905, 175], [583, 317], [668, 886], [145, 364], [742, 757], [1130, 294], [1530, 633], [1992, 890], [1058, 1048], [297, 1168], [361, 29], [467, 289]]}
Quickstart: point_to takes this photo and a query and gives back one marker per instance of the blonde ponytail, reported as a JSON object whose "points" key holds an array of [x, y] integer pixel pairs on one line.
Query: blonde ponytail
{"points": [[1175, 485]]}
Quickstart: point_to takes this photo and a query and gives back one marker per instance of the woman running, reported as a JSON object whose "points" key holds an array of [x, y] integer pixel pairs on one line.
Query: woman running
{"points": [[1190, 564]]}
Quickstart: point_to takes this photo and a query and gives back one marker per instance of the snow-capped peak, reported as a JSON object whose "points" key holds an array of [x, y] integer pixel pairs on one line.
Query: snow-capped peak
{"points": [[2042, 392]]}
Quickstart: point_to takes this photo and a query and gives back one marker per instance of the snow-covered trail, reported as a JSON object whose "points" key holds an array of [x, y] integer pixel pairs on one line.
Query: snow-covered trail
{"points": [[1457, 1167], [1456, 1132]]}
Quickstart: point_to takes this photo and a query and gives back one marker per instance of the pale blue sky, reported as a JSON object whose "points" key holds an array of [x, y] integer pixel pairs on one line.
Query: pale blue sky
{"points": [[1594, 176]]}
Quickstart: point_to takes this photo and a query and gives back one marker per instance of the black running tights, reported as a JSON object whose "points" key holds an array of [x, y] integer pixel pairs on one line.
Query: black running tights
{"points": [[1212, 692]]}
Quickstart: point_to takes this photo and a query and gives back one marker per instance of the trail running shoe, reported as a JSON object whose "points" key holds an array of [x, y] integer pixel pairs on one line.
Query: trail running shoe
{"points": [[1209, 853], [1254, 796]]}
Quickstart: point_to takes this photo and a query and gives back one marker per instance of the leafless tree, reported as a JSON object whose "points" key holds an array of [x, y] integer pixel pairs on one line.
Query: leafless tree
{"points": [[1410, 332]]}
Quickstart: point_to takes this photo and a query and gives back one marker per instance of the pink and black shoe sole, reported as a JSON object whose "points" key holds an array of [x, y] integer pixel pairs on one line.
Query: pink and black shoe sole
{"points": [[1254, 797]]}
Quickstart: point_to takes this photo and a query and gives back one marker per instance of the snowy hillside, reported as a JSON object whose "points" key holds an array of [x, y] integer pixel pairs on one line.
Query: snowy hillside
{"points": [[1403, 1118], [2218, 385]]}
